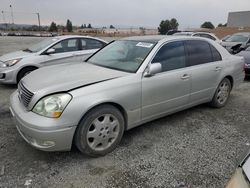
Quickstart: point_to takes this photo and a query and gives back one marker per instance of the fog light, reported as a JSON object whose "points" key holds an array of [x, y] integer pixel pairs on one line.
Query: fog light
{"points": [[42, 144], [48, 143]]}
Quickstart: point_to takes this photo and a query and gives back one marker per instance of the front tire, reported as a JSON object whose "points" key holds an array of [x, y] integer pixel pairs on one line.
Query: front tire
{"points": [[222, 94], [100, 131]]}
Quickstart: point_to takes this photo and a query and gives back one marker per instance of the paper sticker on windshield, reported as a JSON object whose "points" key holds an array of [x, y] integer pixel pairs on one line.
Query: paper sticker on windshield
{"points": [[144, 44]]}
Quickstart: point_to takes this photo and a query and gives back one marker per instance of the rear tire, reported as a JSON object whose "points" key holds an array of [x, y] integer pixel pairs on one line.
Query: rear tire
{"points": [[23, 72], [100, 131], [222, 94]]}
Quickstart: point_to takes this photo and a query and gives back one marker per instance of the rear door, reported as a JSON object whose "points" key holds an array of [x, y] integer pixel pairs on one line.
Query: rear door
{"points": [[88, 46], [168, 90], [206, 65]]}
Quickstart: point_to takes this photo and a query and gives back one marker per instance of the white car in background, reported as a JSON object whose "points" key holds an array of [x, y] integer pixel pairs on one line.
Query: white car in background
{"points": [[237, 42], [51, 51], [199, 34]]}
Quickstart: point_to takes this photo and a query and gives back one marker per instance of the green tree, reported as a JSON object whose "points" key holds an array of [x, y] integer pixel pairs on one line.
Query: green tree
{"points": [[220, 25], [207, 25], [167, 25], [53, 27], [174, 24], [111, 27], [89, 26], [69, 26]]}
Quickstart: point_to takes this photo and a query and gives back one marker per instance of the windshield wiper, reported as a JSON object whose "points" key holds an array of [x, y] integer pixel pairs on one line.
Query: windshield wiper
{"points": [[27, 50]]}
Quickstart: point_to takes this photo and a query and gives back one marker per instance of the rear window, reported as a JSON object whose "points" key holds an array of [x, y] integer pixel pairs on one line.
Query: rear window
{"points": [[88, 44], [199, 52], [215, 53]]}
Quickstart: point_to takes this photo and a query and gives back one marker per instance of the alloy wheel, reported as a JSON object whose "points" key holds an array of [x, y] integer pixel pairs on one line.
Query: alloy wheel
{"points": [[103, 132], [223, 92]]}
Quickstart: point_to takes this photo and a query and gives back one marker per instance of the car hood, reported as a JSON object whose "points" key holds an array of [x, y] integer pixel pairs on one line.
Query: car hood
{"points": [[61, 78], [15, 55], [230, 44]]}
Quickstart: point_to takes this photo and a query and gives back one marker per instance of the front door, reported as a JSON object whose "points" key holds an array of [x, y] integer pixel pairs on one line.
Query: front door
{"points": [[168, 90], [65, 52]]}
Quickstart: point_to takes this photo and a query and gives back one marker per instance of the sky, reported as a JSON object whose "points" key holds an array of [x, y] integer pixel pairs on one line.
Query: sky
{"points": [[128, 13]]}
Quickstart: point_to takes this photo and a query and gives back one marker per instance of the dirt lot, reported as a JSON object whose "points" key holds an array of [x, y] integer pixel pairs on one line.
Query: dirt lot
{"points": [[198, 147]]}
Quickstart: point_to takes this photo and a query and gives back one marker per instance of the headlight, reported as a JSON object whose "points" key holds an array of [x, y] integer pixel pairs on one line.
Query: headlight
{"points": [[10, 63], [53, 105]]}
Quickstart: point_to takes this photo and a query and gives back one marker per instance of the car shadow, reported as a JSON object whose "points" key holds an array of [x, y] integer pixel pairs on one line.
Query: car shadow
{"points": [[247, 79], [8, 86]]}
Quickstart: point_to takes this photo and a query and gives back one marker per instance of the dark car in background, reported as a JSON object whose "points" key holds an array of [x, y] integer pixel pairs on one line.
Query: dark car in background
{"points": [[246, 55]]}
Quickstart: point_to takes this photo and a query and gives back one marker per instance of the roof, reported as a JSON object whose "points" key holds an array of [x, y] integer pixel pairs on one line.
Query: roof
{"points": [[157, 38], [147, 38], [77, 36], [184, 33]]}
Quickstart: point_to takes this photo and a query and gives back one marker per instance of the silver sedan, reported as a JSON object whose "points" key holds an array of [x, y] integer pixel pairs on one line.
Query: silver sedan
{"points": [[51, 51], [129, 82]]}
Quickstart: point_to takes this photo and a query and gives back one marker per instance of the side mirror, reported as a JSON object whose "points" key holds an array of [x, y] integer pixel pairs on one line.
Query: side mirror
{"points": [[153, 69], [50, 51]]}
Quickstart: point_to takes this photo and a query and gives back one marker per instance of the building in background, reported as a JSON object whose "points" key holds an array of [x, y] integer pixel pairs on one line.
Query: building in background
{"points": [[238, 19]]}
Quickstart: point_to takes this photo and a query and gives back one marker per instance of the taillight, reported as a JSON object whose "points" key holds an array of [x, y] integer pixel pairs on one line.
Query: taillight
{"points": [[244, 65]]}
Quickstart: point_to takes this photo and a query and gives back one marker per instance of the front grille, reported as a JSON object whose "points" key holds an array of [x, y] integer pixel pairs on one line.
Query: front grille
{"points": [[24, 94]]}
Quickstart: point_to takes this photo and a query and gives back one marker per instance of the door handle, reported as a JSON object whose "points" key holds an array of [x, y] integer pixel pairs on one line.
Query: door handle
{"points": [[185, 76], [217, 68]]}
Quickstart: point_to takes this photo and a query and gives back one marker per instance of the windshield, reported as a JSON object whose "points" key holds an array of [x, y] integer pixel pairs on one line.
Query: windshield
{"points": [[123, 55], [237, 38], [41, 45]]}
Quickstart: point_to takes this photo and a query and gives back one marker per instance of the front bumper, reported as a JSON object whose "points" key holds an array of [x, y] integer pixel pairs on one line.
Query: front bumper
{"points": [[42, 133], [8, 75]]}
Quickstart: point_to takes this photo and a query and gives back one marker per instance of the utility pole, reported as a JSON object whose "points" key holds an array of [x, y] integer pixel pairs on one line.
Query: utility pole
{"points": [[39, 24], [4, 20], [12, 16]]}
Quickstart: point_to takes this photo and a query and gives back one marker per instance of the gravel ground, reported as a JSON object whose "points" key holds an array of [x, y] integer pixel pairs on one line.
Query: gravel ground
{"points": [[198, 147]]}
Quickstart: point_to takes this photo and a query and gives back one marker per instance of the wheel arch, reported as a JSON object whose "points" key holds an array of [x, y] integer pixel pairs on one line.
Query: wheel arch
{"points": [[23, 68], [116, 105], [230, 78]]}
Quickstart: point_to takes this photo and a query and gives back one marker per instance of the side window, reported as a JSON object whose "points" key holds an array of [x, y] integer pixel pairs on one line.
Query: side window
{"points": [[199, 52], [215, 53], [84, 44], [171, 56], [88, 44], [67, 45]]}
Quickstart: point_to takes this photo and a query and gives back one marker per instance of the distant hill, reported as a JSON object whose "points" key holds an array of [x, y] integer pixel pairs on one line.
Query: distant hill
{"points": [[15, 26]]}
